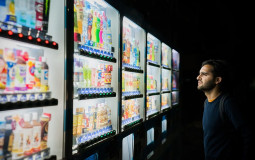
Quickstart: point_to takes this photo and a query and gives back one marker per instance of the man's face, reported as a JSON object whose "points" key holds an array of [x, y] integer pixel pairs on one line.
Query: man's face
{"points": [[206, 80]]}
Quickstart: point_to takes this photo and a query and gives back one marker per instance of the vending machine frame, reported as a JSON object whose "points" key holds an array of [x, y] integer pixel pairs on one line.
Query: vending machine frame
{"points": [[97, 146]]}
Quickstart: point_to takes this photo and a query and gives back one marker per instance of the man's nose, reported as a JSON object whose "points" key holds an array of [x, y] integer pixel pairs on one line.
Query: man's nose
{"points": [[198, 77]]}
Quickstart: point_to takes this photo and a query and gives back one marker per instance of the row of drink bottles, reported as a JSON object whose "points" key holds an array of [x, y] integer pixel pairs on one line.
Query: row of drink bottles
{"points": [[165, 99], [130, 82], [94, 90], [91, 24], [131, 66], [90, 49], [131, 52], [91, 73], [151, 83], [19, 71], [23, 135], [29, 13], [166, 51], [90, 118], [130, 109], [151, 103], [152, 50]]}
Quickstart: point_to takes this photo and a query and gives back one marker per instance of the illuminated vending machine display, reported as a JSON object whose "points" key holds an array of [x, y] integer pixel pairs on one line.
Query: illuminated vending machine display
{"points": [[133, 53], [175, 77], [31, 80], [153, 75], [166, 77], [95, 79]]}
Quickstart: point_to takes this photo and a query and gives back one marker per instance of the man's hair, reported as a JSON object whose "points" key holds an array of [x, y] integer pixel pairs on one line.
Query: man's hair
{"points": [[220, 69]]}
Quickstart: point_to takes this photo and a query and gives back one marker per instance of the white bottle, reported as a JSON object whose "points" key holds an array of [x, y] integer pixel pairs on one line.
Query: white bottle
{"points": [[36, 138], [27, 135], [45, 74]]}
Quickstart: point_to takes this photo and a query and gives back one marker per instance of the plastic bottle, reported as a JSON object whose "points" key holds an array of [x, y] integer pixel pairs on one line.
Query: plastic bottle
{"points": [[17, 146], [38, 73], [109, 32], [20, 10], [79, 16], [85, 24], [39, 14], [31, 14], [20, 70], [36, 138], [3, 11], [27, 135], [3, 71], [75, 19], [90, 22], [101, 30], [30, 73], [104, 36], [85, 75], [10, 17], [98, 21], [44, 120], [8, 136], [2, 132], [94, 26], [10, 59], [45, 75]]}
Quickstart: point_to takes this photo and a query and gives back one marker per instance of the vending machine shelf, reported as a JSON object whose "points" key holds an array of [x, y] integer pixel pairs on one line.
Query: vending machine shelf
{"points": [[153, 93], [98, 55], [166, 67], [166, 109], [130, 125], [132, 96], [95, 95], [23, 36], [82, 146], [151, 63], [45, 153], [152, 113], [28, 104], [129, 69], [165, 91]]}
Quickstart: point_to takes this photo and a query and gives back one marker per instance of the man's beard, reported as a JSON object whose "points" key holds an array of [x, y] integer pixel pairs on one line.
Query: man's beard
{"points": [[207, 86]]}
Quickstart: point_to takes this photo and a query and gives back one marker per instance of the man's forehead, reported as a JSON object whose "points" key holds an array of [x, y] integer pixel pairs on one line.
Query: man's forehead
{"points": [[206, 68]]}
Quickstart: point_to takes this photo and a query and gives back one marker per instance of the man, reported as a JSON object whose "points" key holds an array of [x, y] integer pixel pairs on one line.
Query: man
{"points": [[228, 137]]}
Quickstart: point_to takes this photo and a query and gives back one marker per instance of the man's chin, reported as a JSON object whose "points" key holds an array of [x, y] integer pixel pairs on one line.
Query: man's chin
{"points": [[199, 88]]}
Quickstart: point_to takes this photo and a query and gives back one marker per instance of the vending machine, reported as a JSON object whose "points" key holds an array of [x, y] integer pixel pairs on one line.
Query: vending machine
{"points": [[153, 85], [133, 77], [95, 73], [133, 59], [166, 77], [175, 77], [31, 79]]}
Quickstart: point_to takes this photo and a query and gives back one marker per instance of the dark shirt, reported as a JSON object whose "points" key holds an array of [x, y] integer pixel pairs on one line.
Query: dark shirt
{"points": [[225, 138]]}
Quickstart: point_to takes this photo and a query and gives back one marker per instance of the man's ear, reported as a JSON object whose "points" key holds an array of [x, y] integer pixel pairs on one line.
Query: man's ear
{"points": [[218, 80]]}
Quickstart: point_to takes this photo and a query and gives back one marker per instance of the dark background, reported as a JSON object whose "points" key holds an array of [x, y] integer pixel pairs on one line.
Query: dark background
{"points": [[201, 30]]}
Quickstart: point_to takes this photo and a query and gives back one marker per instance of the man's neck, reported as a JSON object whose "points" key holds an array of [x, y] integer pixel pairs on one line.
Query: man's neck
{"points": [[212, 94]]}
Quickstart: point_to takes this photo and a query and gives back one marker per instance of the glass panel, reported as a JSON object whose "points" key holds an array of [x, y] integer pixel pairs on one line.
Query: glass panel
{"points": [[133, 51], [128, 147], [95, 103]]}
